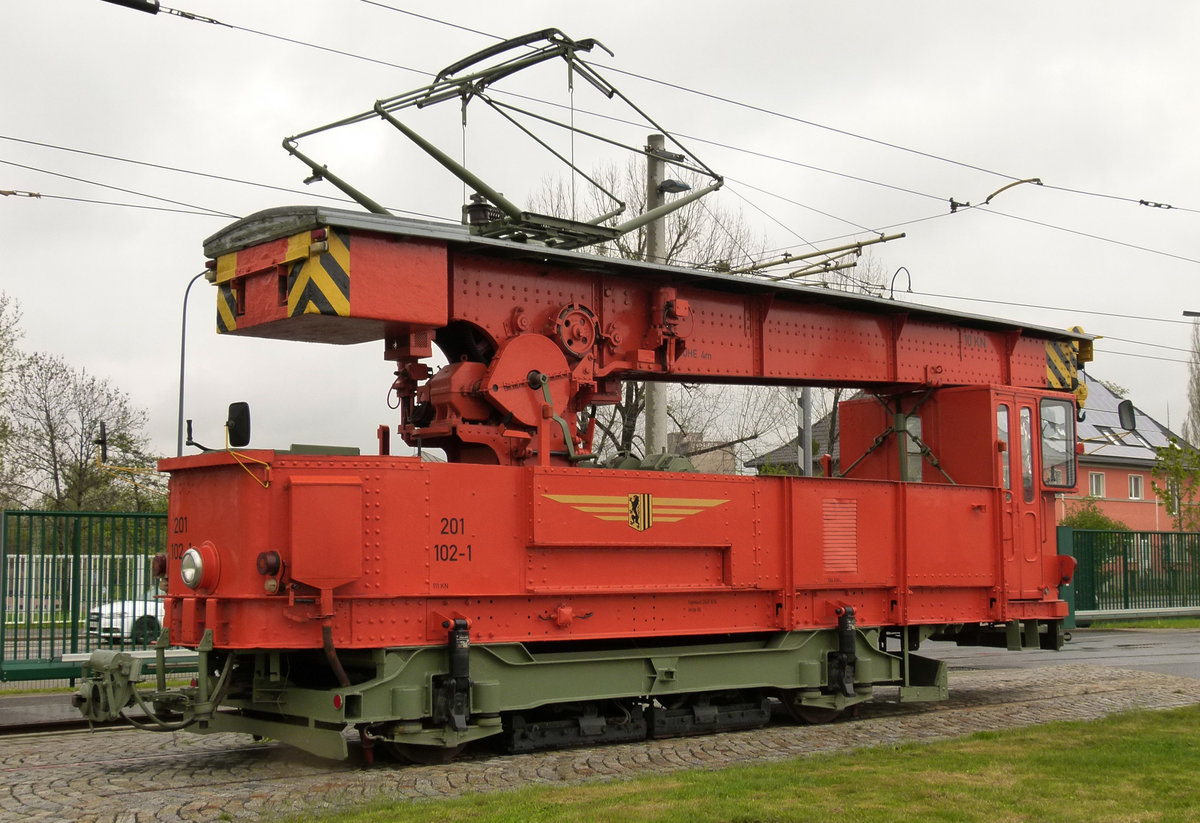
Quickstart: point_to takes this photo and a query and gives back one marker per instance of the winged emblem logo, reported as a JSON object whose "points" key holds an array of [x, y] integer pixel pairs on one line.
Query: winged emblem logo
{"points": [[639, 511]]}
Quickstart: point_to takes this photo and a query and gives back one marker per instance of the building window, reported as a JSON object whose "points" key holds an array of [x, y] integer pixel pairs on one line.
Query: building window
{"points": [[1135, 487], [1096, 484]]}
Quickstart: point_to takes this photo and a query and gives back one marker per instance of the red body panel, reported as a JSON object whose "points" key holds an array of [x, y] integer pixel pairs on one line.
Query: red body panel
{"points": [[395, 547], [948, 524]]}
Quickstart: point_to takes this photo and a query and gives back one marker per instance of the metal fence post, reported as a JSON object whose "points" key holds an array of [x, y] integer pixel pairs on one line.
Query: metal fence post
{"points": [[3, 587], [76, 553], [1066, 546]]}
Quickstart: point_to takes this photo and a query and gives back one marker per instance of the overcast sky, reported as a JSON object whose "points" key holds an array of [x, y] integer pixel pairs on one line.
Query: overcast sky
{"points": [[866, 116]]}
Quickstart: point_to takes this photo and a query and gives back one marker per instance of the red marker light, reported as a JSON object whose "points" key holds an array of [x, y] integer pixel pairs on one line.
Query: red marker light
{"points": [[269, 563], [337, 701]]}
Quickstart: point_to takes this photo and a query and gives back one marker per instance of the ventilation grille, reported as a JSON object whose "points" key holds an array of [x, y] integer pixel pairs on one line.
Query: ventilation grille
{"points": [[840, 520]]}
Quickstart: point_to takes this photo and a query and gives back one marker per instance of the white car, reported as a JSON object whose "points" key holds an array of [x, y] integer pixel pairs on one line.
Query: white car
{"points": [[133, 621]]}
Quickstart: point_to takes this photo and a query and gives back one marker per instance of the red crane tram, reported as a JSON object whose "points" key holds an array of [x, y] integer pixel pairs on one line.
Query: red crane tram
{"points": [[524, 591]]}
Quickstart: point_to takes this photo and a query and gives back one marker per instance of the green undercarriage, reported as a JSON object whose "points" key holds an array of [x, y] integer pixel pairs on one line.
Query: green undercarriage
{"points": [[405, 695]]}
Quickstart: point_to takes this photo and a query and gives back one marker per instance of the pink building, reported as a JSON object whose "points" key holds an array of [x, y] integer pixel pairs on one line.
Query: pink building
{"points": [[1115, 467]]}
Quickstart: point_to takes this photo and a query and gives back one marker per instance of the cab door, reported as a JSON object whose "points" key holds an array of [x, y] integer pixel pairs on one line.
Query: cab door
{"points": [[1036, 438], [1020, 531]]}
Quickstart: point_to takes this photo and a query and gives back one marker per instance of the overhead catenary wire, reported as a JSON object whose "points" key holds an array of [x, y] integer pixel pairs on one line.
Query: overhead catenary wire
{"points": [[708, 95], [1142, 343], [212, 213], [199, 18], [731, 102], [143, 206], [1142, 356], [251, 183], [812, 123], [208, 175], [1072, 310], [216, 212]]}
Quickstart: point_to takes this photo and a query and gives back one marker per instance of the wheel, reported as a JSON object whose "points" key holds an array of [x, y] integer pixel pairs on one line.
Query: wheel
{"points": [[422, 755], [812, 715], [145, 631]]}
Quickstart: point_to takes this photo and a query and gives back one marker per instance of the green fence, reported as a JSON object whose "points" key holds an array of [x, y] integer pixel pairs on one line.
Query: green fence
{"points": [[1136, 572], [73, 581]]}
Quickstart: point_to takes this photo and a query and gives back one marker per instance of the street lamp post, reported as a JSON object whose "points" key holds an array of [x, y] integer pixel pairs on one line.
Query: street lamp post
{"points": [[182, 353]]}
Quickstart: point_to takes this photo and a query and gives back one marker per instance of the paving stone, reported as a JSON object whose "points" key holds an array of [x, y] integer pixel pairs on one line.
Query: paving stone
{"points": [[137, 777]]}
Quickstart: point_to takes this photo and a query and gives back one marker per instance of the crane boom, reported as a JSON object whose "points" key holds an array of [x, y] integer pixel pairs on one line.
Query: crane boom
{"points": [[526, 326]]}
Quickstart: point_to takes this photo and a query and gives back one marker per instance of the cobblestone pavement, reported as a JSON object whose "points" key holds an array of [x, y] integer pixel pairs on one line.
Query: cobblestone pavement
{"points": [[137, 777]]}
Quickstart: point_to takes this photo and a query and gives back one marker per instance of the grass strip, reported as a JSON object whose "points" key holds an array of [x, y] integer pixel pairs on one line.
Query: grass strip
{"points": [[1139, 766]]}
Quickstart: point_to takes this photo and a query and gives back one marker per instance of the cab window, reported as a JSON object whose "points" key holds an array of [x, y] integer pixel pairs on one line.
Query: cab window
{"points": [[1058, 443], [1027, 454], [1002, 437]]}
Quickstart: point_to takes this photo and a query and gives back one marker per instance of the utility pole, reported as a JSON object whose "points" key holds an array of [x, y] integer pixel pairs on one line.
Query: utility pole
{"points": [[656, 252], [805, 450]]}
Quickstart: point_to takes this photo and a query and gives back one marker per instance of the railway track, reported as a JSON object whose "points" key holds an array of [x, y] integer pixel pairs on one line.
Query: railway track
{"points": [[121, 773]]}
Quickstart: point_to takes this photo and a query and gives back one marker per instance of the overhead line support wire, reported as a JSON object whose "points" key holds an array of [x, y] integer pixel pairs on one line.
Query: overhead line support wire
{"points": [[118, 188], [729, 101], [144, 206], [199, 18], [1051, 308], [208, 175], [1094, 236], [1142, 356], [153, 7], [365, 116]]}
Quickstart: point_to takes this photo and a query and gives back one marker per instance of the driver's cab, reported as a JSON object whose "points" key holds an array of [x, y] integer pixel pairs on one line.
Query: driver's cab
{"points": [[1018, 441]]}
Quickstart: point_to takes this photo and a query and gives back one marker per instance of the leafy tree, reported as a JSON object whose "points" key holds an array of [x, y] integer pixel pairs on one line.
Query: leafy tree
{"points": [[1086, 514], [1176, 481]]}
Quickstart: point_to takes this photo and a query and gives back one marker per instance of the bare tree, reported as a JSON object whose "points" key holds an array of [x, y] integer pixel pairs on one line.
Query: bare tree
{"points": [[1191, 422], [52, 449], [738, 419], [713, 418], [10, 336], [699, 234], [735, 420]]}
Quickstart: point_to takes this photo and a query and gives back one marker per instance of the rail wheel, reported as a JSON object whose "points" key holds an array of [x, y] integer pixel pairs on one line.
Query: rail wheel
{"points": [[145, 631], [423, 755], [812, 715]]}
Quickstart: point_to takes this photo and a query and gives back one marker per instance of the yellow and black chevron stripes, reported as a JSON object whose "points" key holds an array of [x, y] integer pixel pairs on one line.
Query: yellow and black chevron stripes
{"points": [[226, 308], [1061, 368], [321, 285]]}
